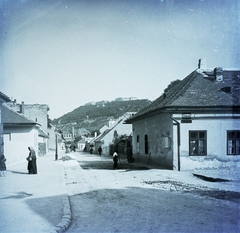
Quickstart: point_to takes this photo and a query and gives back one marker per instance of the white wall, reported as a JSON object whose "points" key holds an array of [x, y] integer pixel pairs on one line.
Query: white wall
{"points": [[216, 127], [16, 143], [216, 135]]}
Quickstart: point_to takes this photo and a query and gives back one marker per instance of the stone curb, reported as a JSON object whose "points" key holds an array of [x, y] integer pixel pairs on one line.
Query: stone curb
{"points": [[67, 215]]}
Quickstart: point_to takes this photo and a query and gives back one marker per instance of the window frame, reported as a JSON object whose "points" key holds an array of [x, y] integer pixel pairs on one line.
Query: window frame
{"points": [[234, 144], [138, 144], [197, 142], [146, 144]]}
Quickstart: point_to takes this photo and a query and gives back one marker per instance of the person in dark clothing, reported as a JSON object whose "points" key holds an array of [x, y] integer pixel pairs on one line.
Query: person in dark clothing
{"points": [[2, 165], [100, 150], [115, 160], [91, 150], [32, 161]]}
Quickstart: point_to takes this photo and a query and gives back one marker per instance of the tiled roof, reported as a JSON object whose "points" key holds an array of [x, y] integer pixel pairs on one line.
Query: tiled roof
{"points": [[199, 89], [3, 97], [9, 116]]}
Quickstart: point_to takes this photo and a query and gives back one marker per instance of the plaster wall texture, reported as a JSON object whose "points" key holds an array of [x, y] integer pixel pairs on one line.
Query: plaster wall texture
{"points": [[159, 132]]}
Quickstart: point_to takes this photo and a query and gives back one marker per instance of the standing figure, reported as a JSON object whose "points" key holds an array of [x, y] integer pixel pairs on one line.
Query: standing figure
{"points": [[100, 150], [115, 160], [32, 161], [2, 165]]}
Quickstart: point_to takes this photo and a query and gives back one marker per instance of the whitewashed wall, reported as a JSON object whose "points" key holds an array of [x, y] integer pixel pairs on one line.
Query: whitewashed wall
{"points": [[16, 143]]}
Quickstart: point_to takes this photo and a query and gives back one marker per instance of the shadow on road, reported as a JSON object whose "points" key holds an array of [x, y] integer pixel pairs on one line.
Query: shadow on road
{"points": [[23, 173], [108, 165]]}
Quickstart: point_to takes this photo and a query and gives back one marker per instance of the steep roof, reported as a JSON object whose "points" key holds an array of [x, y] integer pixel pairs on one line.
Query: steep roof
{"points": [[201, 88], [9, 116]]}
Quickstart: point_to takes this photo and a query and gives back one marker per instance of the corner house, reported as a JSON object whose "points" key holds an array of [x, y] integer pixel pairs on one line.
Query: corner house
{"points": [[194, 123]]}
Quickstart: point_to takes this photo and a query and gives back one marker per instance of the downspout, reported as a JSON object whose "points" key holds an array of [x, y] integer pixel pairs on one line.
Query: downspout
{"points": [[178, 140]]}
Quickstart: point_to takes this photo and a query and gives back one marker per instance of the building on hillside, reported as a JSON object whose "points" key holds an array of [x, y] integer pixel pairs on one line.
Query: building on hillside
{"points": [[194, 123], [125, 98], [68, 135], [83, 132], [20, 132], [3, 99]]}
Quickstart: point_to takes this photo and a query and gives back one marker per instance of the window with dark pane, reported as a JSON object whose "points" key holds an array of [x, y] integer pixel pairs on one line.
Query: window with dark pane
{"points": [[197, 143], [233, 142]]}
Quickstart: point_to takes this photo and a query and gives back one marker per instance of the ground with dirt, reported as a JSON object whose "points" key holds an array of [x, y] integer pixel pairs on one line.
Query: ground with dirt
{"points": [[136, 198]]}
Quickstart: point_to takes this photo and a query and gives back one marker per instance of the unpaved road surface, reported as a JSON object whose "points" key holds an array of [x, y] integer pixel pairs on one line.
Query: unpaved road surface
{"points": [[137, 199]]}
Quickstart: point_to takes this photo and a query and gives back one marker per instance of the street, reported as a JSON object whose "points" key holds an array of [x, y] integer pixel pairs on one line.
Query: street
{"points": [[124, 200]]}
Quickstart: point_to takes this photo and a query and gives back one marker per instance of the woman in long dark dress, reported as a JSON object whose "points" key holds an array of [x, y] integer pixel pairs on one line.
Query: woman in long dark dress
{"points": [[32, 161]]}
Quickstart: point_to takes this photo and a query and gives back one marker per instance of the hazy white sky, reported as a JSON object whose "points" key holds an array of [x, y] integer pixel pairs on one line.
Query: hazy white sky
{"points": [[66, 53]]}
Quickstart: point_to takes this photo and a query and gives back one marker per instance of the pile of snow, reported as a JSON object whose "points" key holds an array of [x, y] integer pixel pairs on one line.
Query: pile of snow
{"points": [[213, 163]]}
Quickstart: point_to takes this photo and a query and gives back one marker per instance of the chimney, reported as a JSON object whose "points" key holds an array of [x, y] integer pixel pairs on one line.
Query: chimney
{"points": [[22, 108], [218, 74], [202, 63]]}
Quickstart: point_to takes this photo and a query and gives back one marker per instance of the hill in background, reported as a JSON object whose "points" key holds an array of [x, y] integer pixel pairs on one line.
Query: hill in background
{"points": [[94, 115]]}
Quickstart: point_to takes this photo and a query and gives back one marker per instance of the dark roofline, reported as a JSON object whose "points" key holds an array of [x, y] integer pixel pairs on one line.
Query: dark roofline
{"points": [[20, 124], [183, 109], [4, 97]]}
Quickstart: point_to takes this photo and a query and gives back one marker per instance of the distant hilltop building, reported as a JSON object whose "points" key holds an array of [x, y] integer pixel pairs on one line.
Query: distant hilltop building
{"points": [[102, 102], [106, 101], [125, 99]]}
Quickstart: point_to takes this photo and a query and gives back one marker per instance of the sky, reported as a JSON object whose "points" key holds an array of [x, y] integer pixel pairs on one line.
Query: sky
{"points": [[66, 53]]}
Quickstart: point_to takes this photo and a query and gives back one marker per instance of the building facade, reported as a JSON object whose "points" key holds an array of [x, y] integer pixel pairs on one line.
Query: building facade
{"points": [[194, 123]]}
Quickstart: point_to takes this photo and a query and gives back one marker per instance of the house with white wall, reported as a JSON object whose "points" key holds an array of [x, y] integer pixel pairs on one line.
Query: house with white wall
{"points": [[37, 113], [196, 121], [19, 132]]}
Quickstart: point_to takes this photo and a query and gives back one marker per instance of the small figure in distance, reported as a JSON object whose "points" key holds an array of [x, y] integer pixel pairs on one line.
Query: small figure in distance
{"points": [[115, 160], [100, 150]]}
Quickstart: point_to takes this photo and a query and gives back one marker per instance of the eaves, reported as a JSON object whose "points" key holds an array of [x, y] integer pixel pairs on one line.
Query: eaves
{"points": [[20, 124], [184, 109]]}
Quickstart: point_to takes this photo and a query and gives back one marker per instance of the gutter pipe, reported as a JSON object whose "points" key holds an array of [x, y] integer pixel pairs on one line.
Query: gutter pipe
{"points": [[178, 141]]}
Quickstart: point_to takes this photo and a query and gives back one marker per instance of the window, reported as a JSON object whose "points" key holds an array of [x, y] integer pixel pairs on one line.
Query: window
{"points": [[233, 142], [138, 148], [197, 143], [146, 143]]}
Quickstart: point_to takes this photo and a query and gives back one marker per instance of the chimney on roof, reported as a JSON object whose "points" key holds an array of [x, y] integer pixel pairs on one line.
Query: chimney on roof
{"points": [[202, 63], [22, 108], [218, 74]]}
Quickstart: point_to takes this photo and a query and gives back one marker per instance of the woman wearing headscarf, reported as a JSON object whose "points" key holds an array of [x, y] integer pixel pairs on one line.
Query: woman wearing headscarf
{"points": [[32, 161]]}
